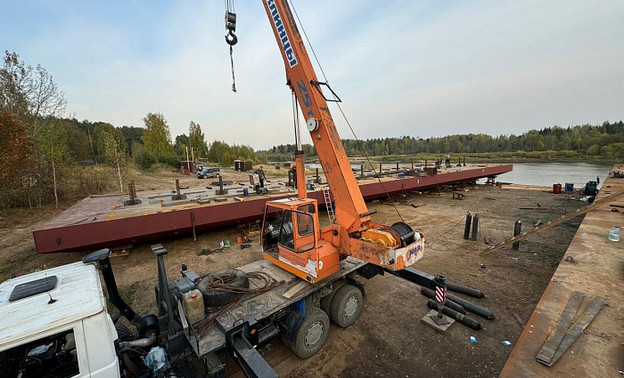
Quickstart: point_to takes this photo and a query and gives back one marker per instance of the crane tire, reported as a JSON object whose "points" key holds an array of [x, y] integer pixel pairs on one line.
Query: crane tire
{"points": [[217, 298], [346, 305], [327, 300], [312, 333]]}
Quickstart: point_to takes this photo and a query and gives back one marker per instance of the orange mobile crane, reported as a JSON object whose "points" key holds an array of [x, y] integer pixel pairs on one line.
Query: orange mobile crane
{"points": [[291, 234]]}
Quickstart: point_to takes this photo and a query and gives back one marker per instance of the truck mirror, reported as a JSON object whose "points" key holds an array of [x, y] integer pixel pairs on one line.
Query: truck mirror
{"points": [[98, 255]]}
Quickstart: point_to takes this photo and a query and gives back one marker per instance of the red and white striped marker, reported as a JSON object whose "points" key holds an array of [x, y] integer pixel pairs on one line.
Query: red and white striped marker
{"points": [[440, 294]]}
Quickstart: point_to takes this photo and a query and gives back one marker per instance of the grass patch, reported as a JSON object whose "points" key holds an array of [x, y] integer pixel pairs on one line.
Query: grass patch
{"points": [[546, 253], [127, 293]]}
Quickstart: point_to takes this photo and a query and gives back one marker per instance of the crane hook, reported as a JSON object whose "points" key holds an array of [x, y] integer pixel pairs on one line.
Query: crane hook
{"points": [[231, 38]]}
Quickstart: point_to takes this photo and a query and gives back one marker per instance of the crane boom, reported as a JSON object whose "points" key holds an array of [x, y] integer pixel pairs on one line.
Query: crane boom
{"points": [[351, 209], [292, 237]]}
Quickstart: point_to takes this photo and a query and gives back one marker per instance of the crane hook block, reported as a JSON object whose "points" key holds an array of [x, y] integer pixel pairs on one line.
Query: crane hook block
{"points": [[230, 21]]}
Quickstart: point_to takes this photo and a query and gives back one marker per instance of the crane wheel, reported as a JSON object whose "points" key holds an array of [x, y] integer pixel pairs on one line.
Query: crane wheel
{"points": [[216, 288], [312, 333], [326, 301], [346, 305]]}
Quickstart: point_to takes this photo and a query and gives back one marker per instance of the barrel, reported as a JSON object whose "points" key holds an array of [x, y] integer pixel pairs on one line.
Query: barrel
{"points": [[557, 188], [569, 187]]}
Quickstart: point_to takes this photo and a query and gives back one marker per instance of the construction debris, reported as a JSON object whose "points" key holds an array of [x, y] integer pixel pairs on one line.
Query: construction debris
{"points": [[519, 319]]}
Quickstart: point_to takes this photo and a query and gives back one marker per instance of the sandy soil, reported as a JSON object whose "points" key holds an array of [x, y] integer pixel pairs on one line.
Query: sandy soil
{"points": [[388, 339]]}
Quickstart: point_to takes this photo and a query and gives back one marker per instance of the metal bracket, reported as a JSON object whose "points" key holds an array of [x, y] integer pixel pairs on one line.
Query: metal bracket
{"points": [[247, 357], [317, 85]]}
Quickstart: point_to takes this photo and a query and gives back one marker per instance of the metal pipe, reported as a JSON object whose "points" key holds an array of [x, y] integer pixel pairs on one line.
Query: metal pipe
{"points": [[302, 191], [139, 343], [482, 312], [193, 226], [467, 226], [465, 290], [517, 231], [475, 227], [463, 319]]}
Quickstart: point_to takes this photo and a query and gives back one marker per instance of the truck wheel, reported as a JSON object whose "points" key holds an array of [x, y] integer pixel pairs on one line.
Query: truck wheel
{"points": [[123, 332], [213, 297], [312, 333], [326, 301], [346, 305]]}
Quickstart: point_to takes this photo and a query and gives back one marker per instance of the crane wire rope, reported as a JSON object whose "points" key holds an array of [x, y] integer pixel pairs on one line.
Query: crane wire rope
{"points": [[359, 142], [231, 38]]}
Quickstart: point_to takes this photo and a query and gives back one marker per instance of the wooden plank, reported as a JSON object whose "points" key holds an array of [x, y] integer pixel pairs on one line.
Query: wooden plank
{"points": [[295, 289], [552, 224], [549, 348], [570, 337], [519, 319]]}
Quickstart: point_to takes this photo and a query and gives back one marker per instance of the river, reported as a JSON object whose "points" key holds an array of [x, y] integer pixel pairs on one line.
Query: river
{"points": [[547, 174], [542, 174]]}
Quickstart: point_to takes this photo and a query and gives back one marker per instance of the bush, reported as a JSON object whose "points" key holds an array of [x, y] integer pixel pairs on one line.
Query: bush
{"points": [[170, 159], [145, 160]]}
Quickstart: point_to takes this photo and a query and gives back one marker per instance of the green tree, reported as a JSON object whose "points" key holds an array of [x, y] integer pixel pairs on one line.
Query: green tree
{"points": [[197, 140], [114, 151], [101, 131], [156, 137], [217, 151], [29, 92], [181, 142], [131, 134], [142, 158], [53, 149]]}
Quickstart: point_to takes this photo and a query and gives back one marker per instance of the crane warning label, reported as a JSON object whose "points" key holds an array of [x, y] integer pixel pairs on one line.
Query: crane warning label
{"points": [[281, 32]]}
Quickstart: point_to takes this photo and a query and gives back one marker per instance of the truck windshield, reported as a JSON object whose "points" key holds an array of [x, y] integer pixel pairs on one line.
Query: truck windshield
{"points": [[51, 356]]}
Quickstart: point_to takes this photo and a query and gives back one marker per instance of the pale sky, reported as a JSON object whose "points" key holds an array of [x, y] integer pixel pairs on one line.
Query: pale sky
{"points": [[419, 68]]}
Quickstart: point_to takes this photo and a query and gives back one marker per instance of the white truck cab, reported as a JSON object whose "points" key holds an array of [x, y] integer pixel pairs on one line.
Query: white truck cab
{"points": [[55, 323]]}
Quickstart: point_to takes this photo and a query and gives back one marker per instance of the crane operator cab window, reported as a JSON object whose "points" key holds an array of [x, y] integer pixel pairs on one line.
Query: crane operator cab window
{"points": [[271, 227], [305, 222], [290, 229], [297, 231]]}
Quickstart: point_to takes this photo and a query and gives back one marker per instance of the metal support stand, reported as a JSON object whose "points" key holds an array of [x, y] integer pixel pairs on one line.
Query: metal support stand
{"points": [[221, 191], [178, 196], [517, 231], [193, 226], [475, 227], [132, 193], [440, 319], [467, 226]]}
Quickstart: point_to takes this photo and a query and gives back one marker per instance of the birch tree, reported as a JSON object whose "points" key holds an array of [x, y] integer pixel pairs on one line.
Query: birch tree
{"points": [[53, 149]]}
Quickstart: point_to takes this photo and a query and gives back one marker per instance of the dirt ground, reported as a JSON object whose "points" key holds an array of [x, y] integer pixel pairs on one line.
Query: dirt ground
{"points": [[388, 339]]}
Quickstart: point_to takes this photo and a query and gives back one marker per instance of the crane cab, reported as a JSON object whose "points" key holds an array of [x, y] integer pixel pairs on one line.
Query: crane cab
{"points": [[291, 239]]}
